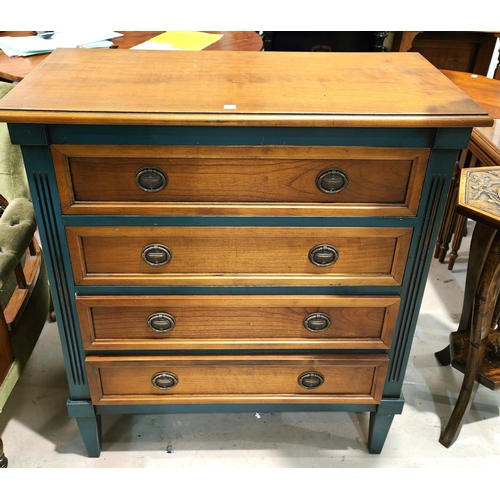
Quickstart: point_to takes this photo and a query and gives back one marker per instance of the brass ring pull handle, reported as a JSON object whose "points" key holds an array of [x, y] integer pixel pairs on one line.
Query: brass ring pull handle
{"points": [[332, 181], [164, 380], [156, 254], [323, 255], [317, 322], [161, 322], [310, 380], [151, 179]]}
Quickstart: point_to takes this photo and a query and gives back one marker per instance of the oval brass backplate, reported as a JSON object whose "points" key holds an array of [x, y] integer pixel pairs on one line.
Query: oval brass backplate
{"points": [[317, 322], [164, 380], [151, 179], [161, 322], [332, 181], [323, 255], [311, 380], [156, 254]]}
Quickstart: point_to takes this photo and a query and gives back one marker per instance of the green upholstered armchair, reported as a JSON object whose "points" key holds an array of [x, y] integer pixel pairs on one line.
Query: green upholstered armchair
{"points": [[24, 290]]}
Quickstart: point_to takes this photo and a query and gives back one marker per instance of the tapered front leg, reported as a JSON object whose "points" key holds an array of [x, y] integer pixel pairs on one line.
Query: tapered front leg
{"points": [[89, 424], [380, 423]]}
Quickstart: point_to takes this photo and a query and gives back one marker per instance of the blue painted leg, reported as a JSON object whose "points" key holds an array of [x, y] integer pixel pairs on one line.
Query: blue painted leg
{"points": [[90, 428], [89, 424], [380, 423]]}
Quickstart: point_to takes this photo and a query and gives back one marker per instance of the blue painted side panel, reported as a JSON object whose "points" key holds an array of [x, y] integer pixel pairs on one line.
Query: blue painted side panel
{"points": [[43, 189], [431, 208]]}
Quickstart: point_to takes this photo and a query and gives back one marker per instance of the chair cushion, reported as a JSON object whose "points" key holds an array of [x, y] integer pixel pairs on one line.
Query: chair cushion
{"points": [[13, 182], [17, 227]]}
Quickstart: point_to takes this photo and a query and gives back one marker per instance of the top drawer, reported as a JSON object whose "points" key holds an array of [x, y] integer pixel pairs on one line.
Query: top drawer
{"points": [[239, 180]]}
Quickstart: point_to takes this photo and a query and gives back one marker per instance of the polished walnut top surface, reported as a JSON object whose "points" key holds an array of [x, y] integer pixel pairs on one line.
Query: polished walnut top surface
{"points": [[211, 87]]}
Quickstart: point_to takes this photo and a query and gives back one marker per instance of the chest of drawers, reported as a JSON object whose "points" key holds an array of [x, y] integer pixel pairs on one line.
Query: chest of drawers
{"points": [[237, 231]]}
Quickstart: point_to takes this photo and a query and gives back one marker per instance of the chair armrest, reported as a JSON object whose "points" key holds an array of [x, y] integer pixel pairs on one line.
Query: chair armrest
{"points": [[17, 227]]}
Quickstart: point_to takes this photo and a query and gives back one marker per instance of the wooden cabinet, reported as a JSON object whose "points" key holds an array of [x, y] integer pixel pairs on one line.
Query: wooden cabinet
{"points": [[468, 51], [237, 231], [324, 41]]}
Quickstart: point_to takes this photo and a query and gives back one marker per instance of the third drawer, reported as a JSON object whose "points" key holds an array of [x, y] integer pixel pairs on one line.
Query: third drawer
{"points": [[237, 322]]}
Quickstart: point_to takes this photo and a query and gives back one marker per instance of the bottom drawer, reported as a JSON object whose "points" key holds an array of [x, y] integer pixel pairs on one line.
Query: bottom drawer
{"points": [[326, 379]]}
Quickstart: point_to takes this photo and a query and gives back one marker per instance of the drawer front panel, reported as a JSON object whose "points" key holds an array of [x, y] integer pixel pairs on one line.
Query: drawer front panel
{"points": [[244, 255], [229, 322], [236, 379], [131, 179]]}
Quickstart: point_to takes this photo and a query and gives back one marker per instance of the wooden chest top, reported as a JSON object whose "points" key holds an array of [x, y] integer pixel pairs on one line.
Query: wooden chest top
{"points": [[240, 88]]}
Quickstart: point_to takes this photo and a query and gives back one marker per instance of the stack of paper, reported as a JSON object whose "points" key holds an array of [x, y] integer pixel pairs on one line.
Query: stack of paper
{"points": [[31, 45], [180, 40]]}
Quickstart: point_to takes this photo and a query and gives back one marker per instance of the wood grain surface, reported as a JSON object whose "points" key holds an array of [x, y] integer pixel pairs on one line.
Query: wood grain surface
{"points": [[237, 378], [228, 321], [231, 255], [226, 87]]}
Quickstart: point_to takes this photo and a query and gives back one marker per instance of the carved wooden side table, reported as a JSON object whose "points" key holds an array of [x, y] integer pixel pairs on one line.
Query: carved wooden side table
{"points": [[474, 347]]}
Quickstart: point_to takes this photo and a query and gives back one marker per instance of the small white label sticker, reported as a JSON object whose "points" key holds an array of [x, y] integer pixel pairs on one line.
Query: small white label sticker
{"points": [[229, 106]]}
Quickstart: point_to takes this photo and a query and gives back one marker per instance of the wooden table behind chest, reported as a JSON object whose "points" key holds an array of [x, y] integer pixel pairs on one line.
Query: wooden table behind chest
{"points": [[227, 235]]}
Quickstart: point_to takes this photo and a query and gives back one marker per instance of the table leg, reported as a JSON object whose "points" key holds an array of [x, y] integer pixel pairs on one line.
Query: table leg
{"points": [[458, 234], [3, 459], [480, 243], [484, 308]]}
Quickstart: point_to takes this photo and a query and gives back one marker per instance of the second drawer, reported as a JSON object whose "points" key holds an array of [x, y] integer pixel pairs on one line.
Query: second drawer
{"points": [[241, 322], [186, 255]]}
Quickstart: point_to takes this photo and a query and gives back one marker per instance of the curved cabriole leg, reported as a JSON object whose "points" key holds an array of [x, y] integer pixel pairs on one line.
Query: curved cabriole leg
{"points": [[481, 241], [483, 311], [460, 225], [3, 459]]}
